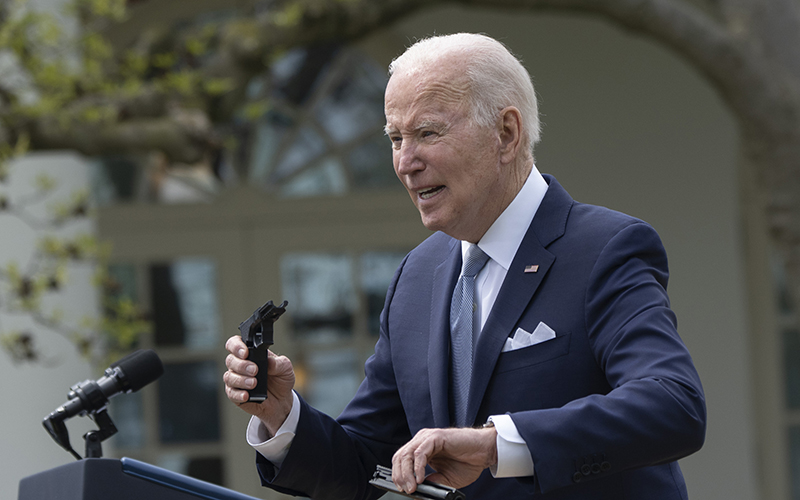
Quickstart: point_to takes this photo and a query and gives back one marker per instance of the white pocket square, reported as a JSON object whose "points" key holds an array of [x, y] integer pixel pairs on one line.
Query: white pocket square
{"points": [[521, 338]]}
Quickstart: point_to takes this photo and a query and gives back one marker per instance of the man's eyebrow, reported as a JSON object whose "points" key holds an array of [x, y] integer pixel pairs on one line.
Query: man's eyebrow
{"points": [[428, 124], [425, 124]]}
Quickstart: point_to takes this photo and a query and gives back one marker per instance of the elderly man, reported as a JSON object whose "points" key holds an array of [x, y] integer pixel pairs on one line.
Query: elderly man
{"points": [[527, 348]]}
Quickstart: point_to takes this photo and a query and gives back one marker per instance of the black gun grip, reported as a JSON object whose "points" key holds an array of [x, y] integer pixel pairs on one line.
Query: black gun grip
{"points": [[259, 356]]}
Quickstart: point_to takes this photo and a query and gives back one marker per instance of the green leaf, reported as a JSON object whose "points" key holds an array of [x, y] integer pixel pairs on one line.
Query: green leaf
{"points": [[164, 60], [218, 86], [255, 109], [290, 16], [45, 183]]}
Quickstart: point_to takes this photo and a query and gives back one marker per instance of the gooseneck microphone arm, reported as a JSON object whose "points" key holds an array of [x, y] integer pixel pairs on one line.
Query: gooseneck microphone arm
{"points": [[58, 431], [90, 398]]}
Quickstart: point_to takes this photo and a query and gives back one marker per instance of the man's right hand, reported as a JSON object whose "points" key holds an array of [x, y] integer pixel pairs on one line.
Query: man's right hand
{"points": [[241, 376]]}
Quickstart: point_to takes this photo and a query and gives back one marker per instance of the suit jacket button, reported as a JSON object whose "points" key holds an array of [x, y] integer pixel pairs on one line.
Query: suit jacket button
{"points": [[605, 466], [595, 468], [577, 477], [586, 469]]}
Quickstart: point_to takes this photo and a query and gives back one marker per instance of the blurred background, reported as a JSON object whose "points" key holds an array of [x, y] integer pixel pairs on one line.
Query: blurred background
{"points": [[297, 201]]}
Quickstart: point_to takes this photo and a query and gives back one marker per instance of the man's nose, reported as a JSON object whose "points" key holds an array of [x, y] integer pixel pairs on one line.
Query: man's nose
{"points": [[407, 159]]}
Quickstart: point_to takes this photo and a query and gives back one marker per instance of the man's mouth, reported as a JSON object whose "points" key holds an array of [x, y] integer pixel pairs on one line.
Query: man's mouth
{"points": [[430, 192]]}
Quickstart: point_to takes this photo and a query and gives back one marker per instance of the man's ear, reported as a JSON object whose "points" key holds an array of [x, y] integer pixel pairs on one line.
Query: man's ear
{"points": [[510, 129]]}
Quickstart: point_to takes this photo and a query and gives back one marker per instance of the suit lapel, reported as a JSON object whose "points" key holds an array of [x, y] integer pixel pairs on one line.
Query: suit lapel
{"points": [[444, 280], [518, 288]]}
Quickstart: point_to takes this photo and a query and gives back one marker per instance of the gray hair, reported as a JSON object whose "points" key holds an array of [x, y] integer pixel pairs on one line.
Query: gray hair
{"points": [[495, 76]]}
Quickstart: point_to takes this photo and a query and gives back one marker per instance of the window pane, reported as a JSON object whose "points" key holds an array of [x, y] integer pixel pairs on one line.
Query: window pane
{"points": [[794, 461], [377, 270], [185, 303], [114, 180], [307, 146], [195, 280], [120, 290], [126, 412], [167, 318], [333, 381], [123, 284], [791, 363], [297, 74], [782, 294], [270, 132], [355, 103], [321, 295], [187, 402], [370, 164], [326, 178]]}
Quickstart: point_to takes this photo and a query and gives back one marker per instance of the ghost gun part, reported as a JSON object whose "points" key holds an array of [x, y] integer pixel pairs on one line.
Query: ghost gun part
{"points": [[382, 478], [257, 333]]}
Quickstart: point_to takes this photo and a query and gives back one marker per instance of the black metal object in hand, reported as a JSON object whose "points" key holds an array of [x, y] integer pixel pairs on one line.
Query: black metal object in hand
{"points": [[382, 478], [257, 333]]}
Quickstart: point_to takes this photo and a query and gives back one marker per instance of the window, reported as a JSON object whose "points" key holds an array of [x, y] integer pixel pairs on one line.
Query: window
{"points": [[790, 371], [182, 410], [312, 125], [335, 302]]}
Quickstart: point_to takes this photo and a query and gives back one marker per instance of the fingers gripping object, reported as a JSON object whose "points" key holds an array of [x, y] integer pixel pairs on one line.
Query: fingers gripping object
{"points": [[257, 333], [382, 478]]}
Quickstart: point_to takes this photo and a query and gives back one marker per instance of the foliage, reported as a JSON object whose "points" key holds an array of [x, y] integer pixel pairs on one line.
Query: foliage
{"points": [[181, 90], [29, 288], [65, 85]]}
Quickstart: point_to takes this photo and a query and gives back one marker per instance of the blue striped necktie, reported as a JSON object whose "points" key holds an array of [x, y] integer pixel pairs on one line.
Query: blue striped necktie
{"points": [[463, 326]]}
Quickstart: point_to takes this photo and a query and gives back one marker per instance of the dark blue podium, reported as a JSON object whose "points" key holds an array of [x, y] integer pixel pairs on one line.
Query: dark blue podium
{"points": [[124, 479]]}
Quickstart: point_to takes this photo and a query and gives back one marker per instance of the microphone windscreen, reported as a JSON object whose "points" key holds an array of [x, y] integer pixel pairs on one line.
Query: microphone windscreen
{"points": [[140, 368]]}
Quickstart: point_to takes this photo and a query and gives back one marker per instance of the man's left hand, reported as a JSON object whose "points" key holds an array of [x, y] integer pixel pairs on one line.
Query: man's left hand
{"points": [[457, 455]]}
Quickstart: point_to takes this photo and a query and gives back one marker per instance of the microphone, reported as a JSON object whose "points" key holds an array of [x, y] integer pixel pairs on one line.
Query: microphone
{"points": [[90, 397], [129, 374]]}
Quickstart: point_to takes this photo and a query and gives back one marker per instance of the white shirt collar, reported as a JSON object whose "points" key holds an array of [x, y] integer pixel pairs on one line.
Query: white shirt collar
{"points": [[505, 235]]}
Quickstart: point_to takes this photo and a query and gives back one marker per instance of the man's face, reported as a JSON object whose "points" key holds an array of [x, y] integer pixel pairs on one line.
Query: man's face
{"points": [[450, 166]]}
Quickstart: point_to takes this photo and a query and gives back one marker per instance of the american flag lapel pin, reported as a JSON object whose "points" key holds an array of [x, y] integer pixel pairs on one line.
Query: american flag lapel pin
{"points": [[532, 269]]}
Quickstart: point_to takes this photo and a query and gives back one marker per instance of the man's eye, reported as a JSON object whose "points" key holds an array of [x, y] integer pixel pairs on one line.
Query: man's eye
{"points": [[428, 133], [396, 141]]}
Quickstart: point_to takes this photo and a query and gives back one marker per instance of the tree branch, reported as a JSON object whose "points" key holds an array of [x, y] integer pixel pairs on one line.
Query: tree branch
{"points": [[771, 26], [183, 135], [755, 88]]}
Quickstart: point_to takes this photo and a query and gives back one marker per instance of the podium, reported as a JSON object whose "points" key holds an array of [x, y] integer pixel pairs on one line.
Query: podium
{"points": [[123, 479]]}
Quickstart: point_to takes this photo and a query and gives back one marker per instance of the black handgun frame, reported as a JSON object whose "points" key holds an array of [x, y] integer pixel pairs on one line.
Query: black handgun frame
{"points": [[382, 478], [257, 334]]}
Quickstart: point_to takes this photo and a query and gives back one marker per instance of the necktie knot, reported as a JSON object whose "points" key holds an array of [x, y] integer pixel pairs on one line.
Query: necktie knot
{"points": [[474, 261]]}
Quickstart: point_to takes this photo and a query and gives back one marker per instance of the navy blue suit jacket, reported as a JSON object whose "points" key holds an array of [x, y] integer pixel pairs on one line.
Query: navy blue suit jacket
{"points": [[605, 408]]}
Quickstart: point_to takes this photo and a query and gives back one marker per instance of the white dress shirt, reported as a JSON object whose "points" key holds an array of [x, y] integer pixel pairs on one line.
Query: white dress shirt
{"points": [[500, 243]]}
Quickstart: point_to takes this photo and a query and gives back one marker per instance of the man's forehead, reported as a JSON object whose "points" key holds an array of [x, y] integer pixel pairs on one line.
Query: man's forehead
{"points": [[426, 113], [412, 99]]}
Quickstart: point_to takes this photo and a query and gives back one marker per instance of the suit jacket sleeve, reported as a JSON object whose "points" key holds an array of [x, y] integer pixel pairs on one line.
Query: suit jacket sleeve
{"points": [[655, 411]]}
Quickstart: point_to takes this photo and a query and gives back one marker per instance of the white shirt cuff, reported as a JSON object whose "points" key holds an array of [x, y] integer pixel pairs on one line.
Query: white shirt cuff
{"points": [[513, 457], [274, 449]]}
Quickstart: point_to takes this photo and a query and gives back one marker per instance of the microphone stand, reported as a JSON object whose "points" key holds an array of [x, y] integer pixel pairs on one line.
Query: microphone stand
{"points": [[94, 439]]}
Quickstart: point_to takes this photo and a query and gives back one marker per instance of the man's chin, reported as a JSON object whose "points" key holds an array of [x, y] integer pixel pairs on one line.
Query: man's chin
{"points": [[445, 226], [432, 223]]}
